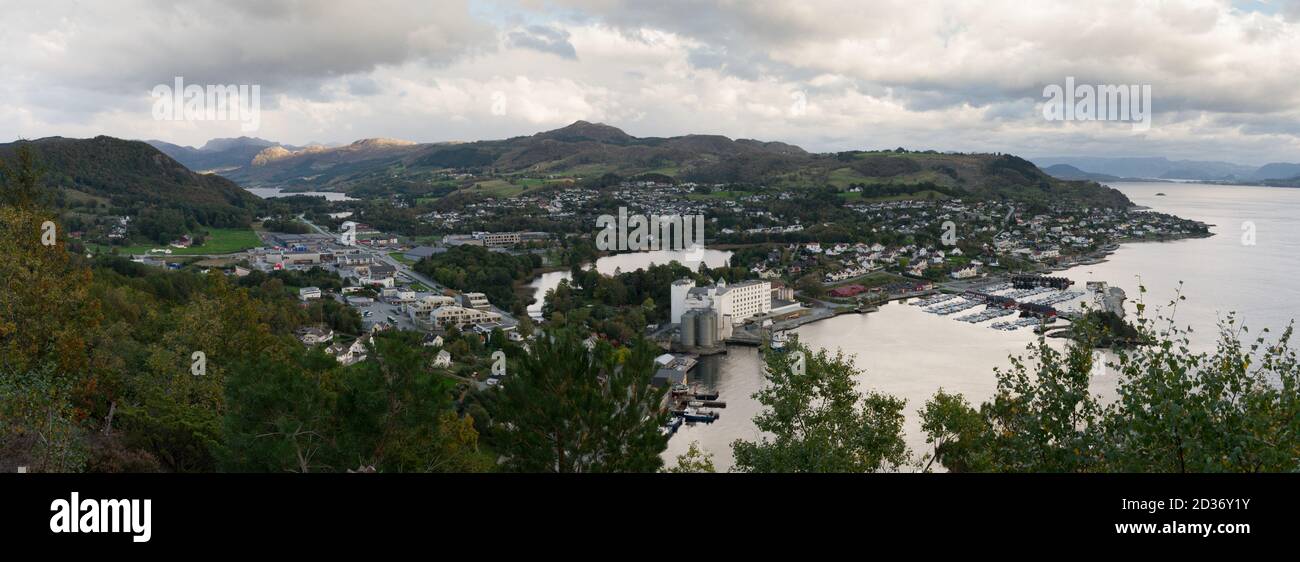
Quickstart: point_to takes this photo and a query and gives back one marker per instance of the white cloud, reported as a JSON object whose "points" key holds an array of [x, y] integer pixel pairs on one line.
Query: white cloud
{"points": [[942, 74]]}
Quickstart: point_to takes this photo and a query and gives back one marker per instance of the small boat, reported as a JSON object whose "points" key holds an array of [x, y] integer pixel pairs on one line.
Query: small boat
{"points": [[679, 389], [779, 340], [711, 395], [672, 424], [697, 415]]}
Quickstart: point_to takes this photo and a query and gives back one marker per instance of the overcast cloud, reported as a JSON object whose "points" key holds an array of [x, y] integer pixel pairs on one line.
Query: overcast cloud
{"points": [[824, 74]]}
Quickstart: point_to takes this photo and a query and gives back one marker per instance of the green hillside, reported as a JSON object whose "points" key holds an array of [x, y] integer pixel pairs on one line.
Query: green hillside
{"points": [[602, 155]]}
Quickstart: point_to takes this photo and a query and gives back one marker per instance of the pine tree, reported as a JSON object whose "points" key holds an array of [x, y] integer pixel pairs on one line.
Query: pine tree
{"points": [[570, 409]]}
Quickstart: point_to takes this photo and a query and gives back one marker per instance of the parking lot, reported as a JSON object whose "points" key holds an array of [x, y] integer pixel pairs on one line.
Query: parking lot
{"points": [[379, 313]]}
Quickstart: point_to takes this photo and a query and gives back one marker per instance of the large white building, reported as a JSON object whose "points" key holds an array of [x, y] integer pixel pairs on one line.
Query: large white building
{"points": [[735, 303], [439, 312]]}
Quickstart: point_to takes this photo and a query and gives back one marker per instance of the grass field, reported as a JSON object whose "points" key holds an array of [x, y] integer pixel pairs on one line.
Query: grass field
{"points": [[873, 279], [220, 241]]}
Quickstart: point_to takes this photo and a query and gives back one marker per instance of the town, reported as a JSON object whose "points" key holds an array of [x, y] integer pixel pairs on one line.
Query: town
{"points": [[791, 263]]}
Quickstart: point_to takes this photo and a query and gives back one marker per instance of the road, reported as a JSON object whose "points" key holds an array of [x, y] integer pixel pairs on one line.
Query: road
{"points": [[406, 271]]}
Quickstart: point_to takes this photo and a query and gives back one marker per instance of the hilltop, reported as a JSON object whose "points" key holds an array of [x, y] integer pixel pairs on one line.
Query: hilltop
{"points": [[105, 176], [218, 154]]}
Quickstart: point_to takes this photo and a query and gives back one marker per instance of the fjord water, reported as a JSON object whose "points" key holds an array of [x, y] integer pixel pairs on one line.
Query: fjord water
{"points": [[908, 353]]}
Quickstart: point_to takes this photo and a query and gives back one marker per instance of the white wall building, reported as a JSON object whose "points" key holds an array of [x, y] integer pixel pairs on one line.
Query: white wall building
{"points": [[735, 302], [475, 300]]}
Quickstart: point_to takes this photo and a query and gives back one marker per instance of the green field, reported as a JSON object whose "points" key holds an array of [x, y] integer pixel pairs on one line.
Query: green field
{"points": [[219, 241]]}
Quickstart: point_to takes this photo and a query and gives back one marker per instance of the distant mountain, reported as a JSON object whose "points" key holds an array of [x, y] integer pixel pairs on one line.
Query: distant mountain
{"points": [[218, 154], [1153, 167], [603, 155], [1068, 172], [131, 176], [1276, 171]]}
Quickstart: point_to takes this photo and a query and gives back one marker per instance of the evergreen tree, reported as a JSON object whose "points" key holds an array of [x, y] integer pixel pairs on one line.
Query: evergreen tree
{"points": [[571, 409]]}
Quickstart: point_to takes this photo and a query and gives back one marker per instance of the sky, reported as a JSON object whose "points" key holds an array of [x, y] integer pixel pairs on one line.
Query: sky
{"points": [[826, 75]]}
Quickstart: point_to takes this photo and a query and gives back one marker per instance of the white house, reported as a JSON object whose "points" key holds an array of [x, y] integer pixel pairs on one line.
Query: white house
{"points": [[443, 360], [350, 354], [314, 335], [965, 272]]}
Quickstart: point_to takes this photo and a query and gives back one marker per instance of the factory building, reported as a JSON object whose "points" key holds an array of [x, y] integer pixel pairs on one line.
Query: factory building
{"points": [[733, 303]]}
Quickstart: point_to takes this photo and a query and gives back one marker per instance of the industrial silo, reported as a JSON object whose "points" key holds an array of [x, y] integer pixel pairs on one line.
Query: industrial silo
{"points": [[688, 329], [708, 329]]}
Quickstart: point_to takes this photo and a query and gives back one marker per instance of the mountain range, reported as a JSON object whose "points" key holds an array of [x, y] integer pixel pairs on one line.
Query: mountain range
{"points": [[219, 154], [600, 153], [1091, 167]]}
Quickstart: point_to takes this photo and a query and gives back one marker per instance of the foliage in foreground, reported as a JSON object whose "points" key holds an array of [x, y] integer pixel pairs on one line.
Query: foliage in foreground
{"points": [[815, 419], [1236, 409], [571, 409]]}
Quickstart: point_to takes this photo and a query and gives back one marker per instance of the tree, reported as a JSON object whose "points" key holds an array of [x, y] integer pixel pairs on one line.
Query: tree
{"points": [[47, 329], [693, 461], [956, 430], [570, 409], [1236, 409], [20, 184], [391, 406], [810, 286], [1043, 417], [281, 415], [819, 422]]}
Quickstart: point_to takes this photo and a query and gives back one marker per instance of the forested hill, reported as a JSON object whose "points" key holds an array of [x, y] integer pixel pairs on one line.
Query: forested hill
{"points": [[130, 177], [600, 154]]}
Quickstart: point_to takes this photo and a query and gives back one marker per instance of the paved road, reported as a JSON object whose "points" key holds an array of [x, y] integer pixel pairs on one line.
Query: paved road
{"points": [[410, 273]]}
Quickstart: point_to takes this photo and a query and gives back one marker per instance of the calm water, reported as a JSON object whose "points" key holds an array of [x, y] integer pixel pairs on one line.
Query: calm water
{"points": [[609, 265], [271, 192], [911, 354]]}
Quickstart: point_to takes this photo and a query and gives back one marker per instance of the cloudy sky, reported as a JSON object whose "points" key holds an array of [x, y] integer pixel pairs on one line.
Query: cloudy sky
{"points": [[824, 74]]}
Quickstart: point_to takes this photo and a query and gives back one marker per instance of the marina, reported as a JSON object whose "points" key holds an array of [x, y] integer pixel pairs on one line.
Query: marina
{"points": [[987, 314], [1017, 323]]}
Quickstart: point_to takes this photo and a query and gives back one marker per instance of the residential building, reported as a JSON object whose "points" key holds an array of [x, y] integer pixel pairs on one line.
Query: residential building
{"points": [[475, 300], [314, 335], [442, 360]]}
